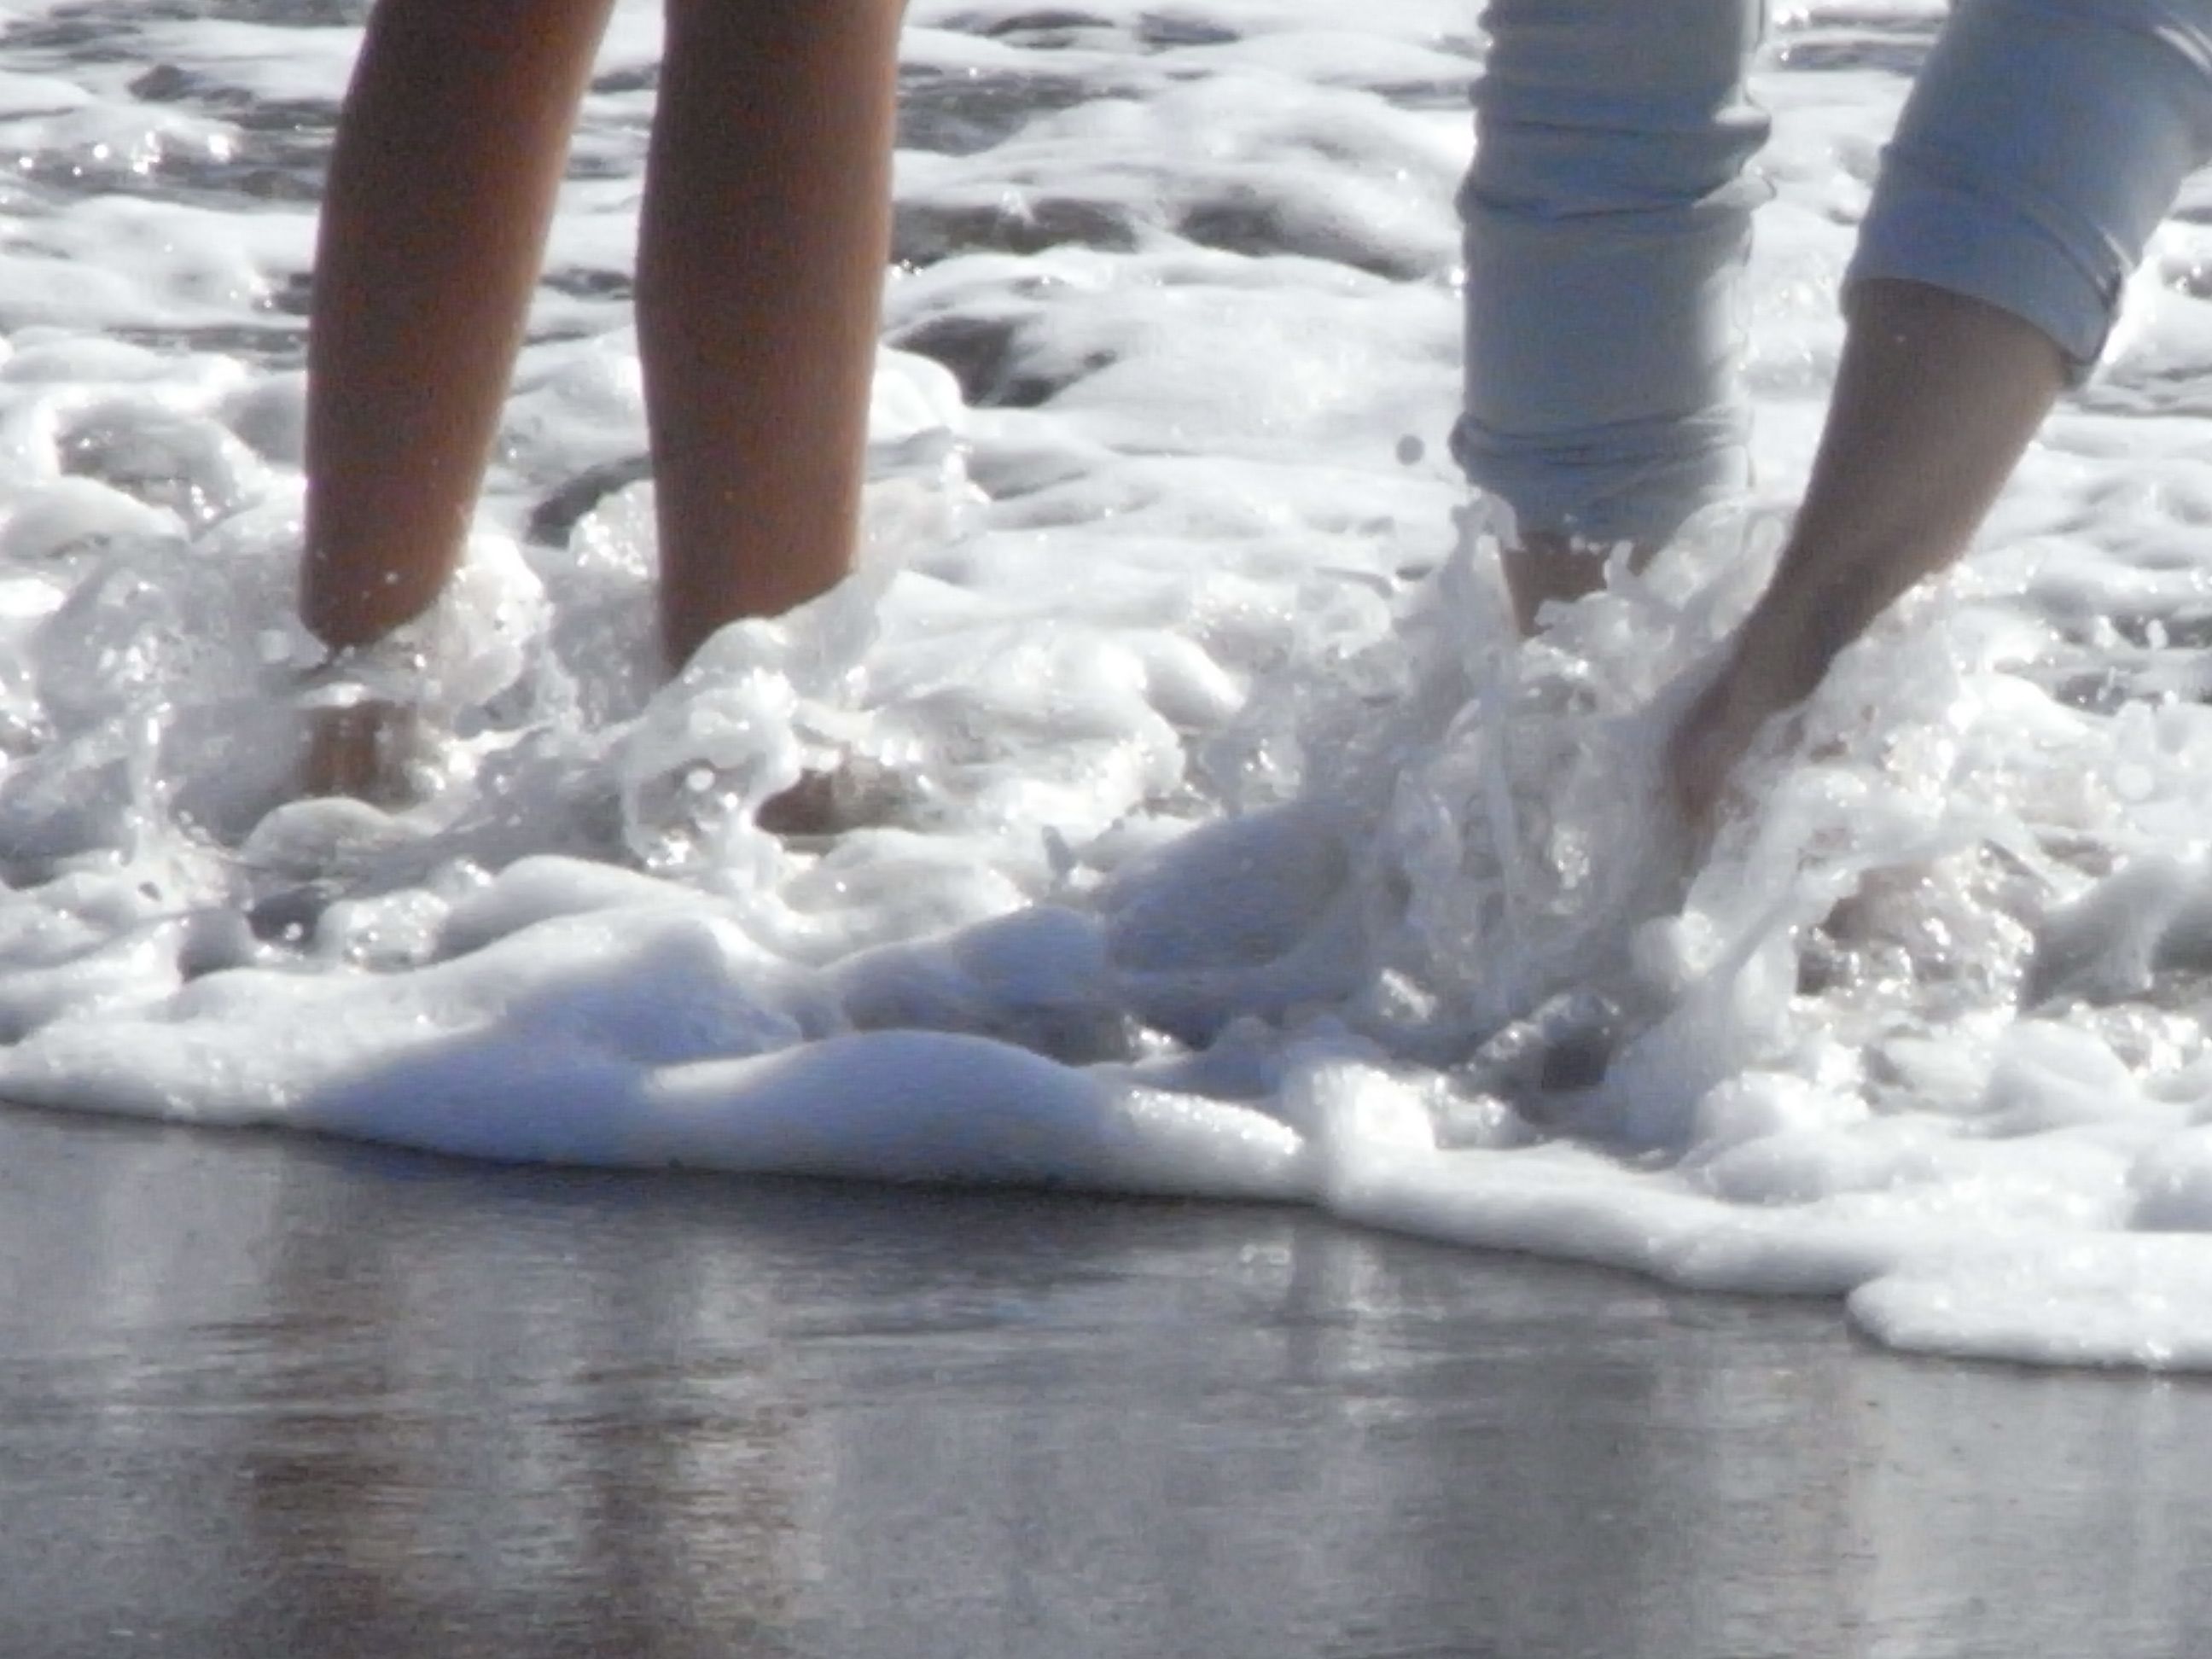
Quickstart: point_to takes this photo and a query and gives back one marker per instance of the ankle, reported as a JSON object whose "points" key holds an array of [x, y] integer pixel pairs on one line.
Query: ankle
{"points": [[1550, 566]]}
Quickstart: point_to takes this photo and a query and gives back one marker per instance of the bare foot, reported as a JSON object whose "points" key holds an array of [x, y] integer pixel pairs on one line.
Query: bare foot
{"points": [[1545, 567], [1550, 566]]}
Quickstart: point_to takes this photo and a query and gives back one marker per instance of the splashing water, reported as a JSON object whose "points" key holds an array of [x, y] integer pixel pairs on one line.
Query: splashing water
{"points": [[1177, 811]]}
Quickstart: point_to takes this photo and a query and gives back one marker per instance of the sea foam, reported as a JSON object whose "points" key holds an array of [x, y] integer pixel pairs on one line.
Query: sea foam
{"points": [[1185, 816]]}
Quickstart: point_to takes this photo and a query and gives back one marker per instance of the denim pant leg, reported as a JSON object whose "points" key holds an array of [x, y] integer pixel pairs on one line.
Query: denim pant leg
{"points": [[1607, 215], [2043, 143]]}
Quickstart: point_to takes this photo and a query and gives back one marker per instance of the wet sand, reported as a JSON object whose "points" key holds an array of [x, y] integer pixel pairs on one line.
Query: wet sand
{"points": [[262, 1395]]}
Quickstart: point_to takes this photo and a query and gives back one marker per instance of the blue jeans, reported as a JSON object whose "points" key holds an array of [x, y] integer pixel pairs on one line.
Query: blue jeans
{"points": [[1609, 211]]}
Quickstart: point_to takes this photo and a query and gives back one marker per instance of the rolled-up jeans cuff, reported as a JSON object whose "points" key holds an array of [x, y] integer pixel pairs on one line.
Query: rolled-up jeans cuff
{"points": [[1948, 235], [2043, 143], [1602, 399], [1607, 213], [1631, 481]]}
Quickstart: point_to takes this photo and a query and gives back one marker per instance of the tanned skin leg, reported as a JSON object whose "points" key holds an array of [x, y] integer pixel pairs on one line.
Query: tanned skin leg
{"points": [[763, 238], [450, 149], [1936, 399], [765, 234]]}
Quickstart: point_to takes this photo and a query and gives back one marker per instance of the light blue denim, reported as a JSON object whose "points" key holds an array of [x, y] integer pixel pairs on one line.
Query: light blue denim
{"points": [[2044, 142], [1608, 213]]}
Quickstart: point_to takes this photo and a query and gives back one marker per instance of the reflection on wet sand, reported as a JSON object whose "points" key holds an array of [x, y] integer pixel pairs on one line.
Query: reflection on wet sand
{"points": [[261, 1395], [572, 1440]]}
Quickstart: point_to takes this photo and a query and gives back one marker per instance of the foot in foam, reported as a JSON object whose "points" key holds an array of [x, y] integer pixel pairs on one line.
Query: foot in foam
{"points": [[1549, 567]]}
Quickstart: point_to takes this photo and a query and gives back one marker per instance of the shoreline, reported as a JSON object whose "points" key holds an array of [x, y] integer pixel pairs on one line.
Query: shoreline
{"points": [[262, 1393]]}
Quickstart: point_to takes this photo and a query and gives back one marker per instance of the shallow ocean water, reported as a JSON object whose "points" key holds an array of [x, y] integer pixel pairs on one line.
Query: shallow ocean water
{"points": [[1199, 829]]}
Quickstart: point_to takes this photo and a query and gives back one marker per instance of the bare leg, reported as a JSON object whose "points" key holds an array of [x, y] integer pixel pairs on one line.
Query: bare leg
{"points": [[766, 230], [1936, 400], [450, 149]]}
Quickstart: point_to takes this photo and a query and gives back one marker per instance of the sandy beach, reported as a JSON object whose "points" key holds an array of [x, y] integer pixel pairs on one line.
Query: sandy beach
{"points": [[264, 1396]]}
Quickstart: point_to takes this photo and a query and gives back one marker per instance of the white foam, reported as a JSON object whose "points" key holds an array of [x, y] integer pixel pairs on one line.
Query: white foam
{"points": [[1200, 829]]}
